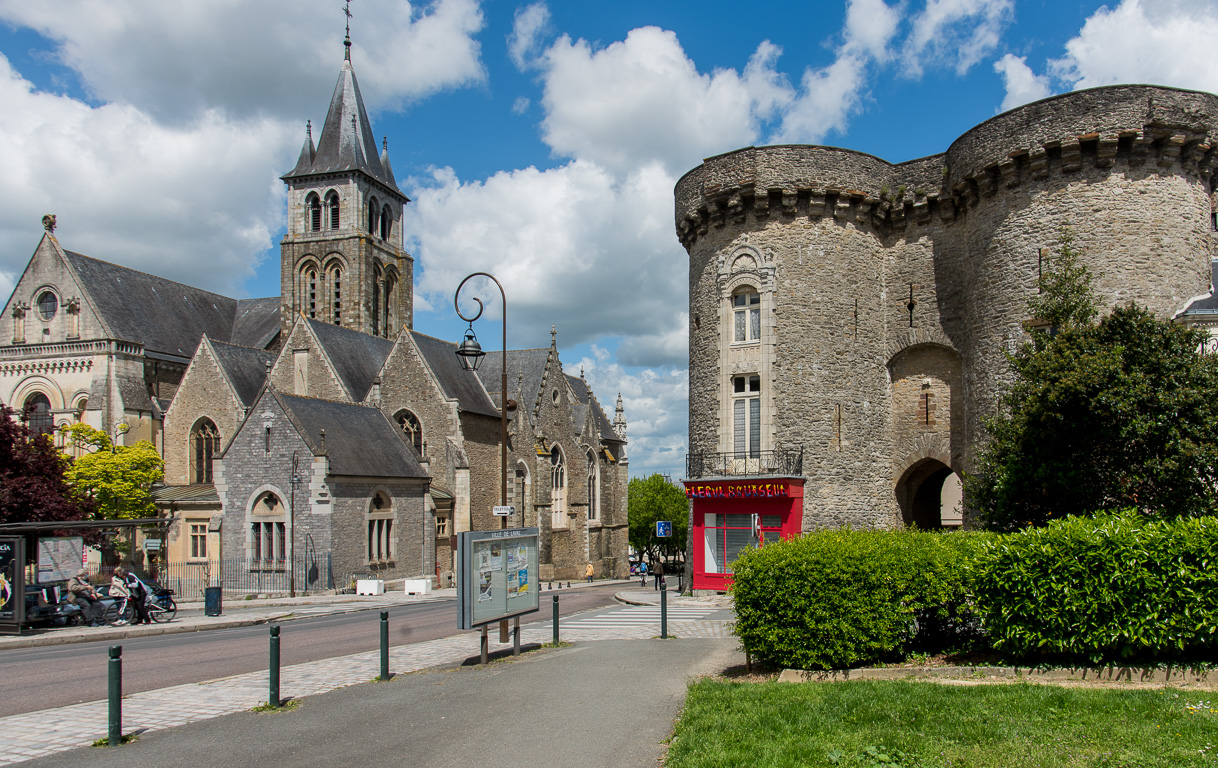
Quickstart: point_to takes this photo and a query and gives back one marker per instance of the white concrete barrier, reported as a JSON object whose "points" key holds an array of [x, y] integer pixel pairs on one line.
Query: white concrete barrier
{"points": [[417, 586]]}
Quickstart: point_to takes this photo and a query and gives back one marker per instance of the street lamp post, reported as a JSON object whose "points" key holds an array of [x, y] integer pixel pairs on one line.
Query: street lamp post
{"points": [[292, 528], [471, 354]]}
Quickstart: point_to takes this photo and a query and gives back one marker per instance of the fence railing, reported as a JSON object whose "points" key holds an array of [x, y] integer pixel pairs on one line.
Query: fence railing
{"points": [[242, 576], [784, 461]]}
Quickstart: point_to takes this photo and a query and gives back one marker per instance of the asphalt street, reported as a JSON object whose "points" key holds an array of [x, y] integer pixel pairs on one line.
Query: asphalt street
{"points": [[605, 704], [54, 676]]}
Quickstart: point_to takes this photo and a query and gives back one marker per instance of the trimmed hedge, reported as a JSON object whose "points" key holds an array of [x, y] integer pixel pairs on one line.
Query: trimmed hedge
{"points": [[843, 598], [1104, 589]]}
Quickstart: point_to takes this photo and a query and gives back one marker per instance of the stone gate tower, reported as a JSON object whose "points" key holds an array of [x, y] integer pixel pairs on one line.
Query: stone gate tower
{"points": [[849, 318], [341, 260]]}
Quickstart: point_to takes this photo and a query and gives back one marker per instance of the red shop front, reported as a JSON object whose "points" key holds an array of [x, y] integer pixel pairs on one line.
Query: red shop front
{"points": [[730, 516]]}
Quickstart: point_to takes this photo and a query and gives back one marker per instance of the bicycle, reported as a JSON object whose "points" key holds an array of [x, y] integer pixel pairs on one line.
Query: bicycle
{"points": [[160, 604]]}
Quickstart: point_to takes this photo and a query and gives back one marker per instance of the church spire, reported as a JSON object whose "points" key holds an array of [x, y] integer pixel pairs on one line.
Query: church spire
{"points": [[347, 39]]}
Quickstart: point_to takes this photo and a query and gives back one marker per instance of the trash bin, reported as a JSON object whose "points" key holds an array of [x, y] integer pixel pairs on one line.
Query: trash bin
{"points": [[211, 601]]}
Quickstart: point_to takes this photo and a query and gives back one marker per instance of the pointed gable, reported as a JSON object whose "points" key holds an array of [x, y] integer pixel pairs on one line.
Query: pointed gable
{"points": [[359, 441], [457, 383], [583, 394], [525, 367], [245, 368], [357, 357]]}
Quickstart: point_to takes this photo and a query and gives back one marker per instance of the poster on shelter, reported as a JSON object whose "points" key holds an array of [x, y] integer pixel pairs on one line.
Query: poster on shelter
{"points": [[59, 558], [485, 590], [522, 586], [9, 581]]}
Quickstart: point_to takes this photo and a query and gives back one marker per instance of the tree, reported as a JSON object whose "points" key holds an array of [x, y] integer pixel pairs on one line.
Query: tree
{"points": [[1066, 298], [33, 487], [119, 478], [652, 499], [1119, 414]]}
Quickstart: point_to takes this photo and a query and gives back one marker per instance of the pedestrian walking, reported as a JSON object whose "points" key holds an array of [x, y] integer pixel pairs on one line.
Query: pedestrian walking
{"points": [[658, 572], [642, 573], [588, 572], [126, 584]]}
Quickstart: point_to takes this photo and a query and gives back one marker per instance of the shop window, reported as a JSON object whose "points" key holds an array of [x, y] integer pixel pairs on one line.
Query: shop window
{"points": [[725, 536]]}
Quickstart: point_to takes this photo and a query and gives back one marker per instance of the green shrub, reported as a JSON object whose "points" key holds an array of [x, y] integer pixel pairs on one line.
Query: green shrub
{"points": [[842, 598], [1103, 589]]}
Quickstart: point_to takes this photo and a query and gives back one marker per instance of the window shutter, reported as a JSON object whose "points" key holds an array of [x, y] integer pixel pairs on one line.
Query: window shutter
{"points": [[738, 430]]}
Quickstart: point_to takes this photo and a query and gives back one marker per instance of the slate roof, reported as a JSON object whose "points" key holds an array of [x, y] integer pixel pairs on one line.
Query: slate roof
{"points": [[1208, 304], [245, 368], [461, 385], [360, 441], [346, 142], [167, 317], [357, 357], [257, 322], [529, 362], [199, 493], [583, 393]]}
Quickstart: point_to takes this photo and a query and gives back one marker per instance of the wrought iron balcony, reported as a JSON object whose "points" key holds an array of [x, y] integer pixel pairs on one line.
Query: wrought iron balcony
{"points": [[785, 461]]}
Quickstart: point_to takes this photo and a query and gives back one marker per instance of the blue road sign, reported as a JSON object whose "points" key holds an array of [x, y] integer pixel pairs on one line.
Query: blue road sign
{"points": [[663, 528]]}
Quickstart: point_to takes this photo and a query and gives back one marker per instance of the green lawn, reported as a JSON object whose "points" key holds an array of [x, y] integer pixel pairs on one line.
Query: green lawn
{"points": [[925, 725]]}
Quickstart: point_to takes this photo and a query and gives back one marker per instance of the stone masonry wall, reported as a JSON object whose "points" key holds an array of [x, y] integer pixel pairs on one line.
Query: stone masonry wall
{"points": [[874, 261]]}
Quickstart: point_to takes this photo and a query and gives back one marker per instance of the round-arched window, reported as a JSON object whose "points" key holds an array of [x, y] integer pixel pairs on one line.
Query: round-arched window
{"points": [[38, 418], [48, 305]]}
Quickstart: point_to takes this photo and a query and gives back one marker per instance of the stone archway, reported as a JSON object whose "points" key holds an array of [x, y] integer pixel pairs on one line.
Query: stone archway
{"points": [[928, 494]]}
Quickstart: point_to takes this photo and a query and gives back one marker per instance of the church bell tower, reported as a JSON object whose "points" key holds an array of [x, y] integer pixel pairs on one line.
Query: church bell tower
{"points": [[342, 260]]}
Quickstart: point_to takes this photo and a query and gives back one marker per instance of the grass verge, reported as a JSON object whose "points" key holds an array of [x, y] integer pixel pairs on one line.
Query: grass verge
{"points": [[928, 725]]}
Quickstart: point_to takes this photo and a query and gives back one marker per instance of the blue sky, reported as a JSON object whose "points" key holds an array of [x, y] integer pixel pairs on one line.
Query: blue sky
{"points": [[539, 142]]}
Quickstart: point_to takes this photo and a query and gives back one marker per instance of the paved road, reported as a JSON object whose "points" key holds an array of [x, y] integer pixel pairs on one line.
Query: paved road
{"points": [[607, 704], [55, 676]]}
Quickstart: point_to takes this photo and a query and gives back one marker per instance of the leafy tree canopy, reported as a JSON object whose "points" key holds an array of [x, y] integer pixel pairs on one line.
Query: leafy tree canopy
{"points": [[33, 487], [652, 499], [118, 477], [1118, 414]]}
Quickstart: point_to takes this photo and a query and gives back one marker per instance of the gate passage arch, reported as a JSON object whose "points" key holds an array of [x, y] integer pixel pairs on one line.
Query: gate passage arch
{"points": [[929, 495]]}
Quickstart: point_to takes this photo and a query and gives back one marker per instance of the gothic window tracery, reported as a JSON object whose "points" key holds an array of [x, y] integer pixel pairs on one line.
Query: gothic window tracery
{"points": [[412, 428], [204, 443], [558, 489]]}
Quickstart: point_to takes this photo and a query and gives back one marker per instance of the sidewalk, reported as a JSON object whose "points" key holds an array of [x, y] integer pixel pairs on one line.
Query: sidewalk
{"points": [[539, 708], [243, 613]]}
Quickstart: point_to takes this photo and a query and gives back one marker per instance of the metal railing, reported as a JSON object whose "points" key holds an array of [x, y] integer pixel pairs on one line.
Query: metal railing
{"points": [[784, 461], [241, 576]]}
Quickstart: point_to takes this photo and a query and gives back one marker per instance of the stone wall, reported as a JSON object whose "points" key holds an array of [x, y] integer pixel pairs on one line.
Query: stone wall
{"points": [[893, 281]]}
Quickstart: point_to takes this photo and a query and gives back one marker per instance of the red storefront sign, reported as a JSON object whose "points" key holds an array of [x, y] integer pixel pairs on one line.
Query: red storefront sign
{"points": [[730, 516]]}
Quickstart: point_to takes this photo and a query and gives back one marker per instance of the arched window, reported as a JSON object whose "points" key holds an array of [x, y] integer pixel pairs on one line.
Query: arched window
{"points": [[373, 208], [412, 429], [380, 528], [308, 287], [377, 280], [336, 294], [204, 443], [268, 532], [332, 208], [313, 206], [386, 222], [386, 304], [746, 315], [38, 416], [558, 489], [48, 305], [593, 500]]}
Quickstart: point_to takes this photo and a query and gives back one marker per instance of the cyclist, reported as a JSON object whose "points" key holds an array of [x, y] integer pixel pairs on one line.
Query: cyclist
{"points": [[125, 584]]}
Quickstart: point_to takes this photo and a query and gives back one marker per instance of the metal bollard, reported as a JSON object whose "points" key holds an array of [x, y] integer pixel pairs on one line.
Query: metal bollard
{"points": [[384, 645], [273, 696], [115, 670], [663, 614], [555, 619]]}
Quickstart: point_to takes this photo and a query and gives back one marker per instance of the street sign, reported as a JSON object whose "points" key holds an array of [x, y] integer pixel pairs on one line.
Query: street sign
{"points": [[152, 545], [503, 511], [663, 528]]}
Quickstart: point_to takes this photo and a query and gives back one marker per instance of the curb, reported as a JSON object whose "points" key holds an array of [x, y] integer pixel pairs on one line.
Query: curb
{"points": [[1026, 674]]}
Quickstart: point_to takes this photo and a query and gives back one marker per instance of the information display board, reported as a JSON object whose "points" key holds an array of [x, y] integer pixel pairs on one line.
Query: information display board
{"points": [[497, 573], [59, 558], [12, 584]]}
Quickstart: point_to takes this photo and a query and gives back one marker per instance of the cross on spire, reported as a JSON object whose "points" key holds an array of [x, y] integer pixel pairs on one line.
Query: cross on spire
{"points": [[347, 39]]}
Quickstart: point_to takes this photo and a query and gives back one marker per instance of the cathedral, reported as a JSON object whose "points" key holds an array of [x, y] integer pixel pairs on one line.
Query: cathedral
{"points": [[315, 437]]}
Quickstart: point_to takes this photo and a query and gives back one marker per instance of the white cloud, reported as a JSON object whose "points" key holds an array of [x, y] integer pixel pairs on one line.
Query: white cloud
{"points": [[520, 105], [871, 25], [642, 101], [1022, 84], [1164, 43], [177, 60], [656, 404], [191, 203], [527, 28], [955, 33]]}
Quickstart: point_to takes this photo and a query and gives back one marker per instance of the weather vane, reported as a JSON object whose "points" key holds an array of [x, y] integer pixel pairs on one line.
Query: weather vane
{"points": [[347, 11]]}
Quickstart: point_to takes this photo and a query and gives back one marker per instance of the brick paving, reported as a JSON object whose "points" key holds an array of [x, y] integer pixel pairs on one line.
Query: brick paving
{"points": [[35, 734]]}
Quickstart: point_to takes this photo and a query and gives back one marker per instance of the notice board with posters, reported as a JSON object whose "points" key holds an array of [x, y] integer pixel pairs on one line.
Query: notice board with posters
{"points": [[497, 574], [59, 558], [12, 584]]}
